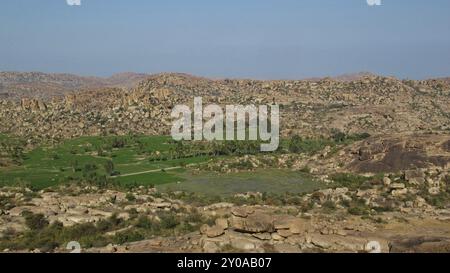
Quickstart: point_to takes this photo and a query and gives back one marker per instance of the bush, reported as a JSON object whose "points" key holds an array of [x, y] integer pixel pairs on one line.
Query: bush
{"points": [[47, 237], [118, 143], [194, 217], [441, 200], [104, 225], [128, 236], [295, 144], [35, 221], [78, 231], [307, 146], [109, 167], [358, 207], [169, 221], [339, 136], [329, 205], [350, 181], [130, 197], [145, 223]]}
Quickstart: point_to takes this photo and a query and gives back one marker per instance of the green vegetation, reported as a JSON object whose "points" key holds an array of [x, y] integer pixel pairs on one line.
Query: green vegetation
{"points": [[11, 149], [127, 161], [313, 145], [308, 146], [353, 181], [358, 207], [46, 237], [96, 160], [35, 221], [441, 200], [261, 180], [340, 137]]}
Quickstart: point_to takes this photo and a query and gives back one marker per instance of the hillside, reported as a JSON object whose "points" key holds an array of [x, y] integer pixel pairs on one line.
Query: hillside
{"points": [[371, 105], [372, 163], [16, 85]]}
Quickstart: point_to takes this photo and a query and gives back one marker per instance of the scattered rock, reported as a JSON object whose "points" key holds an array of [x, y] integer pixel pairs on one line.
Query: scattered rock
{"points": [[253, 223]]}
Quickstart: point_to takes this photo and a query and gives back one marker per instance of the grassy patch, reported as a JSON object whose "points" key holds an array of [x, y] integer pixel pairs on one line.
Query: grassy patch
{"points": [[353, 181], [47, 237], [269, 181], [84, 157]]}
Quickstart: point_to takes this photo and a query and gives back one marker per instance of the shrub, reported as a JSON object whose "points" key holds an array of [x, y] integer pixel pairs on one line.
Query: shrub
{"points": [[294, 144], [358, 207], [307, 206], [144, 222], [109, 167], [35, 221], [169, 221], [350, 181], [441, 200], [329, 205], [78, 231], [338, 136], [104, 225], [128, 236], [307, 146], [118, 143], [48, 237], [194, 217], [130, 197]]}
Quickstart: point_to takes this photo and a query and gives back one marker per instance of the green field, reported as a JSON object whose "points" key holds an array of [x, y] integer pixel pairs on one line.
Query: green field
{"points": [[152, 160], [49, 165], [265, 180]]}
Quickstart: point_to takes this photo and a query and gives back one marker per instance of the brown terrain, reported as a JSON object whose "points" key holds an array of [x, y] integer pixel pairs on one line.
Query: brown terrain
{"points": [[408, 123], [42, 85], [372, 104]]}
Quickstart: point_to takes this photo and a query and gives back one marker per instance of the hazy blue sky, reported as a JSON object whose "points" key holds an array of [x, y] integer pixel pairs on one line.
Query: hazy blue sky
{"points": [[227, 38]]}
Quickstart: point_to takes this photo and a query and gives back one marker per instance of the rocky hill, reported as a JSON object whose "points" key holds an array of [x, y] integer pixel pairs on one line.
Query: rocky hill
{"points": [[16, 85], [372, 104], [390, 187]]}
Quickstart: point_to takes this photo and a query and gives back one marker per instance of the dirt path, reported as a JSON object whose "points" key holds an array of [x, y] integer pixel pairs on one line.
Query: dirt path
{"points": [[151, 171]]}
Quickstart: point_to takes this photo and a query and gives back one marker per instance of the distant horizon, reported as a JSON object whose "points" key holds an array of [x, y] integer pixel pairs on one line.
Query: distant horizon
{"points": [[254, 39], [103, 76]]}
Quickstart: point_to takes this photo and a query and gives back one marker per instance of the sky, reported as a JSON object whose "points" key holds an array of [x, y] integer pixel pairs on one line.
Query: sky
{"points": [[261, 39]]}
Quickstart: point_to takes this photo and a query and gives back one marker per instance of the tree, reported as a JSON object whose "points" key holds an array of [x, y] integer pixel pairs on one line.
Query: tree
{"points": [[295, 144], [338, 136], [75, 166], [109, 167], [35, 221], [118, 143]]}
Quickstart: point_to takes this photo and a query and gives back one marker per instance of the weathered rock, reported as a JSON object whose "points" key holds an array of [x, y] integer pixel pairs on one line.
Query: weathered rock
{"points": [[400, 192], [222, 223], [415, 176], [111, 248], [420, 202], [284, 233], [244, 244], [210, 247], [387, 181], [397, 186], [222, 205], [277, 237], [434, 190], [161, 205], [253, 223], [262, 236], [242, 211], [214, 231], [286, 248], [293, 224], [295, 240]]}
